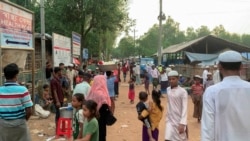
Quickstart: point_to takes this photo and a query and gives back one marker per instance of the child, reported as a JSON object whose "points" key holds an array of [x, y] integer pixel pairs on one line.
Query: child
{"points": [[91, 128], [46, 102], [177, 102], [146, 81], [140, 107], [78, 119], [131, 92]]}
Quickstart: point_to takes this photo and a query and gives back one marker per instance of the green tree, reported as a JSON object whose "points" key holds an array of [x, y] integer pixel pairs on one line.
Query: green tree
{"points": [[245, 39], [126, 47], [148, 43], [221, 32], [102, 19], [203, 31], [190, 34]]}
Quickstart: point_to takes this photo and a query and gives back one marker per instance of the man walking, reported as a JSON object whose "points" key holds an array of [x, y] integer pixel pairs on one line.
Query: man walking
{"points": [[226, 104], [176, 125], [155, 76], [15, 107]]}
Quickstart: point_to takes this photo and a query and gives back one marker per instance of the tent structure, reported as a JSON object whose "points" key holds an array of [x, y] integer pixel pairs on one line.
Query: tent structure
{"points": [[205, 48]]}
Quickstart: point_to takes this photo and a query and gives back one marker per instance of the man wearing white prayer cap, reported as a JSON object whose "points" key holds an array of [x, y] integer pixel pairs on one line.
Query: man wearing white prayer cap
{"points": [[226, 104], [204, 74], [176, 120], [216, 75]]}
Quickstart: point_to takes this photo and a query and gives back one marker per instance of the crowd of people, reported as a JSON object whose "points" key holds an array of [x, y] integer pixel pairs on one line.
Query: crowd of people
{"points": [[220, 100]]}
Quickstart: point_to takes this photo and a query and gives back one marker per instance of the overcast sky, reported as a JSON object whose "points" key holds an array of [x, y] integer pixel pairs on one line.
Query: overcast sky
{"points": [[234, 15]]}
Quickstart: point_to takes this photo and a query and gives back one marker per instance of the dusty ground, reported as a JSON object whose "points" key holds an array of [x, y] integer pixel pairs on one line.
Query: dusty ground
{"points": [[127, 127]]}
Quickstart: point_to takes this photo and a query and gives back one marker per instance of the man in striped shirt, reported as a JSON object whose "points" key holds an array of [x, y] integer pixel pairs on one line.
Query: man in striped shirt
{"points": [[15, 107]]}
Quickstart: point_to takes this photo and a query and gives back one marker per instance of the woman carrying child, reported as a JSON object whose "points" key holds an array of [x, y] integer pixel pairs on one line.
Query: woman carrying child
{"points": [[154, 112]]}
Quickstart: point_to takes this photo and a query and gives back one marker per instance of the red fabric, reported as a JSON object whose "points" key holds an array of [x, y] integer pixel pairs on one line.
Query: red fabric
{"points": [[131, 94], [56, 85], [76, 61], [115, 72], [78, 80], [124, 69], [197, 89]]}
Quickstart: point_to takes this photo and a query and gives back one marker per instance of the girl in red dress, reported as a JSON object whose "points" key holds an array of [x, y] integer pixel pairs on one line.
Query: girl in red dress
{"points": [[131, 92]]}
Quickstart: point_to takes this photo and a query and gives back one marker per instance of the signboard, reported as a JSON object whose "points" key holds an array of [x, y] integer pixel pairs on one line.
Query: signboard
{"points": [[14, 56], [61, 49], [16, 27], [76, 44], [85, 53]]}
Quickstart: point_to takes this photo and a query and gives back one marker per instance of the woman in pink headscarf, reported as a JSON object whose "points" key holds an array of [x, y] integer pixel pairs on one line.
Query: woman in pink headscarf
{"points": [[99, 93]]}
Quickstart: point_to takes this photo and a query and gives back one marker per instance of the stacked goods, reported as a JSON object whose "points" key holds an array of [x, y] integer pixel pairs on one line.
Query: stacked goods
{"points": [[107, 66]]}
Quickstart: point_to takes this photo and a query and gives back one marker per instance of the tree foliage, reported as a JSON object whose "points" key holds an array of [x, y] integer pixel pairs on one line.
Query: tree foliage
{"points": [[98, 21]]}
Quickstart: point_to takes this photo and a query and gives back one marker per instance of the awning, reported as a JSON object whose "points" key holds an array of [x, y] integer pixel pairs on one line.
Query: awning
{"points": [[76, 61], [202, 59]]}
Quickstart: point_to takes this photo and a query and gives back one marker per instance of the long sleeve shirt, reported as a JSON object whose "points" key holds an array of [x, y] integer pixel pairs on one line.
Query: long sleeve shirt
{"points": [[225, 114]]}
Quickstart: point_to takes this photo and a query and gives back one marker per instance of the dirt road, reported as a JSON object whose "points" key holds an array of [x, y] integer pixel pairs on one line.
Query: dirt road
{"points": [[127, 127]]}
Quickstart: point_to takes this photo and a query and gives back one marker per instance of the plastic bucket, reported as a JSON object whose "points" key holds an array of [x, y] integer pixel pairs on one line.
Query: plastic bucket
{"points": [[66, 112]]}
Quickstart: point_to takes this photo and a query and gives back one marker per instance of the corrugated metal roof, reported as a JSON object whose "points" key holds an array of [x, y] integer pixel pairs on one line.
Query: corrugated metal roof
{"points": [[215, 44], [178, 47]]}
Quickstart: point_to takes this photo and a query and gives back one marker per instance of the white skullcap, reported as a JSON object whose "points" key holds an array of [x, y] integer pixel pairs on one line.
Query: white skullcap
{"points": [[209, 73], [71, 65], [173, 73], [230, 56], [198, 76]]}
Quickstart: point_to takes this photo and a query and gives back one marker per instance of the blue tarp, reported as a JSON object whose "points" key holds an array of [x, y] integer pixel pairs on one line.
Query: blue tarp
{"points": [[202, 59], [208, 59]]}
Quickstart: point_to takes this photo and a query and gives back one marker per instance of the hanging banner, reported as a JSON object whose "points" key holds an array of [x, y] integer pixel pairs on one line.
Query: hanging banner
{"points": [[76, 44], [61, 49], [16, 27]]}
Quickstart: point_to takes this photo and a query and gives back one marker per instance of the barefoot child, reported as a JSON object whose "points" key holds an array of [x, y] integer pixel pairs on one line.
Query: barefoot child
{"points": [[78, 119], [131, 92], [91, 128], [140, 107]]}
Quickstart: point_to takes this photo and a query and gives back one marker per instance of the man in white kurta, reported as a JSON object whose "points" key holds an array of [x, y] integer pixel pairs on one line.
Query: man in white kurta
{"points": [[226, 105], [176, 111], [216, 75], [204, 74]]}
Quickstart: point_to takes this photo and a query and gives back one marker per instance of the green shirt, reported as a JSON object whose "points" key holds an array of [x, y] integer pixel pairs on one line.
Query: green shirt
{"points": [[91, 127]]}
